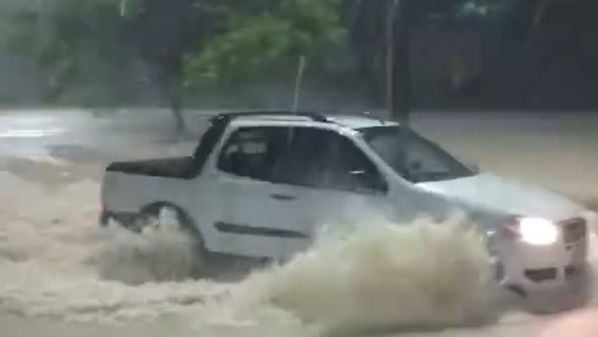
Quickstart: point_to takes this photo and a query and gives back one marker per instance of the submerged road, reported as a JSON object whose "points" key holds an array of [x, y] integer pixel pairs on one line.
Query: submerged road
{"points": [[559, 151]]}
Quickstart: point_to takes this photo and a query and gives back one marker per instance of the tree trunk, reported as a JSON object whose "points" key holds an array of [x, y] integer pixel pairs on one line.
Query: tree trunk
{"points": [[174, 100], [172, 90]]}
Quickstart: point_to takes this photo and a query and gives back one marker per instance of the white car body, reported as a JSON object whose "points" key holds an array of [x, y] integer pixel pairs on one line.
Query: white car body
{"points": [[248, 217]]}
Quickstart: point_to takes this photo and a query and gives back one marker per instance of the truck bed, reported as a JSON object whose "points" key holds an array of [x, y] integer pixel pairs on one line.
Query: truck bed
{"points": [[181, 167]]}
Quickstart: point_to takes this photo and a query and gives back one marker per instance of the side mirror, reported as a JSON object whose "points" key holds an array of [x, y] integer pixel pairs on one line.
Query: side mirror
{"points": [[415, 166], [473, 167], [369, 182]]}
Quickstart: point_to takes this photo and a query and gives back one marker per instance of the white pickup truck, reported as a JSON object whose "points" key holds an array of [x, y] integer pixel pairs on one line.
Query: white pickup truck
{"points": [[261, 184]]}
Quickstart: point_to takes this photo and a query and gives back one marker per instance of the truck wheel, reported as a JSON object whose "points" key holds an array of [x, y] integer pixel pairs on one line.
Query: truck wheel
{"points": [[168, 217]]}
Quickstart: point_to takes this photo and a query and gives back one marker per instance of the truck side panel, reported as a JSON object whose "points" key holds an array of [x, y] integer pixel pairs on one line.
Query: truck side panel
{"points": [[128, 194]]}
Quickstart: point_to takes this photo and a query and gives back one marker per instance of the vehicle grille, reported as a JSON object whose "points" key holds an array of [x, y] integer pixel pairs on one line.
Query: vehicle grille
{"points": [[541, 275], [574, 230]]}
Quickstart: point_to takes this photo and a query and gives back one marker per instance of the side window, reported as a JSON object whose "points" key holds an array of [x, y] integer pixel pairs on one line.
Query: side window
{"points": [[356, 171], [324, 159], [253, 152]]}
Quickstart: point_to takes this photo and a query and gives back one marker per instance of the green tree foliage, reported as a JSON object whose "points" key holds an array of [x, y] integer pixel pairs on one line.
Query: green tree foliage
{"points": [[86, 47], [80, 44], [271, 35]]}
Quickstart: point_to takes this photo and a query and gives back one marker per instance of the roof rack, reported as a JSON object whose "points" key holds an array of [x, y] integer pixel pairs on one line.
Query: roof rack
{"points": [[227, 117]]}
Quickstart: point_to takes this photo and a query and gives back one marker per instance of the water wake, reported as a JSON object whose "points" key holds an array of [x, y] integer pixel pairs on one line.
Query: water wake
{"points": [[54, 262], [389, 276]]}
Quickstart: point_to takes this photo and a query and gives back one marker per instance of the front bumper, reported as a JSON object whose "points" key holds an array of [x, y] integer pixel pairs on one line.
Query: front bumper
{"points": [[536, 267]]}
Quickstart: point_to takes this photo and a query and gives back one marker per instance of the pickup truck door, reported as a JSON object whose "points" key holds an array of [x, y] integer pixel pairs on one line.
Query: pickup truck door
{"points": [[339, 185], [281, 185], [260, 217]]}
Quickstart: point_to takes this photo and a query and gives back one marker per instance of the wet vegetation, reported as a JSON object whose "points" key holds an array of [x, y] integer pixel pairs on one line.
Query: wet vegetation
{"points": [[467, 54]]}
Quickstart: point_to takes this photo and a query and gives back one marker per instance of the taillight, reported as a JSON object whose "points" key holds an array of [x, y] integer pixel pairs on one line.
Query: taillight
{"points": [[104, 216]]}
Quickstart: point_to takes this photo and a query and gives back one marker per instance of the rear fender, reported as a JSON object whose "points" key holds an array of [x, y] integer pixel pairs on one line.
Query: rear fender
{"points": [[183, 217], [136, 220]]}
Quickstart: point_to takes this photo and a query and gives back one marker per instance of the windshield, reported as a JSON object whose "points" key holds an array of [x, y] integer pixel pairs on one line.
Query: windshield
{"points": [[412, 156]]}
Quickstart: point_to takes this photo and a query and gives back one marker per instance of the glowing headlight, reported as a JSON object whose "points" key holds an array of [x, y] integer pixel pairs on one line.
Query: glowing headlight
{"points": [[537, 231]]}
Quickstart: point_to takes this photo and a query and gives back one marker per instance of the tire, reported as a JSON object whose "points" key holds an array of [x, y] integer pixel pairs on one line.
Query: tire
{"points": [[166, 216], [216, 266]]}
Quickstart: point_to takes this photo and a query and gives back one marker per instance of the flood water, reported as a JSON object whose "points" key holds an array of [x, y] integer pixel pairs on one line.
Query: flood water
{"points": [[62, 276]]}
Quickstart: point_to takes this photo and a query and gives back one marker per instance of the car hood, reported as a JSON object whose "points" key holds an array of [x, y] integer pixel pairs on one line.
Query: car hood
{"points": [[508, 197]]}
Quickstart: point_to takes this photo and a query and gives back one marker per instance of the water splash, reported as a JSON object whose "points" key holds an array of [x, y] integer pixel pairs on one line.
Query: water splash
{"points": [[389, 276], [55, 263]]}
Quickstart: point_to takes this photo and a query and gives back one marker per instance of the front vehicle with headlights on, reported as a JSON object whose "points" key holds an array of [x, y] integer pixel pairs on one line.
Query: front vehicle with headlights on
{"points": [[538, 238], [539, 254]]}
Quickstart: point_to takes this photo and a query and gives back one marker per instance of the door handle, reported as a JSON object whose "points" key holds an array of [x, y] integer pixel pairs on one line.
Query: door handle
{"points": [[282, 197]]}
